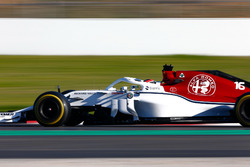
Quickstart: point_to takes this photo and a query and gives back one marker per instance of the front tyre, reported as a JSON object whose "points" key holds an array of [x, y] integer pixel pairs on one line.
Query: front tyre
{"points": [[52, 109], [242, 109]]}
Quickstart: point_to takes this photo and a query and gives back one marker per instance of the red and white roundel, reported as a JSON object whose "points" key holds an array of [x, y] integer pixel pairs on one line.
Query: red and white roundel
{"points": [[202, 85]]}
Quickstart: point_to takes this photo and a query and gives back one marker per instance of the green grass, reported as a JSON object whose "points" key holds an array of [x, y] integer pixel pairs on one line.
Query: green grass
{"points": [[23, 78]]}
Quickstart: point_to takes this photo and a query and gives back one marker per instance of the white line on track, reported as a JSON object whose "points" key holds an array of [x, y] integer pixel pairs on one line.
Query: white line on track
{"points": [[124, 162]]}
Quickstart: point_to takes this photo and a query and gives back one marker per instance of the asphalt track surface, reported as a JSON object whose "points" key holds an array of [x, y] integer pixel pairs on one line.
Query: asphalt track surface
{"points": [[74, 143]]}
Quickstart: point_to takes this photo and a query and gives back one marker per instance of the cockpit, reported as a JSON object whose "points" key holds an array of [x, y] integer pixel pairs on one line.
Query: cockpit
{"points": [[169, 76]]}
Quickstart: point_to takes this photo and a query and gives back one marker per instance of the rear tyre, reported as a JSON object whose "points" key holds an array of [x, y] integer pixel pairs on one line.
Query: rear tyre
{"points": [[76, 117], [242, 109], [52, 109]]}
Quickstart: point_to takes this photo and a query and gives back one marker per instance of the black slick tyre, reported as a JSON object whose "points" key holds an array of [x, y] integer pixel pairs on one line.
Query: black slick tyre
{"points": [[75, 118], [52, 109], [242, 109]]}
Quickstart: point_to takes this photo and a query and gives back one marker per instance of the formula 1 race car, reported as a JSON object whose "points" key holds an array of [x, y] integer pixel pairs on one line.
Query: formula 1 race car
{"points": [[182, 96]]}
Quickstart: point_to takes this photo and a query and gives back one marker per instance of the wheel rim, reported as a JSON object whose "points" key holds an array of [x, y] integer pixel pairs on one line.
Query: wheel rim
{"points": [[50, 110]]}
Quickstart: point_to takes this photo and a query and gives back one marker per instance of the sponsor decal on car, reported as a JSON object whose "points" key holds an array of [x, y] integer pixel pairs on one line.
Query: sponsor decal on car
{"points": [[84, 93], [130, 95], [202, 85], [173, 89], [152, 88], [182, 75], [6, 114]]}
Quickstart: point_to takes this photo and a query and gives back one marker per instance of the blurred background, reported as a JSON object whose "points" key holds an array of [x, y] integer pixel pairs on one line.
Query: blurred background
{"points": [[124, 8], [23, 78]]}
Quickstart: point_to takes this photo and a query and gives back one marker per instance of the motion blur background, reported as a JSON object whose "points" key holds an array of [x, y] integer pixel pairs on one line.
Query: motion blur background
{"points": [[124, 8], [25, 75], [23, 78]]}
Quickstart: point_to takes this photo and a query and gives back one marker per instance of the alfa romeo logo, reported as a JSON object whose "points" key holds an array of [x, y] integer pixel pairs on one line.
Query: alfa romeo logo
{"points": [[202, 85]]}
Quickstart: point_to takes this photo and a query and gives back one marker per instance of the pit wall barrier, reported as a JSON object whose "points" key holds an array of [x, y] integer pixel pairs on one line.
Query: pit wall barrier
{"points": [[223, 37]]}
